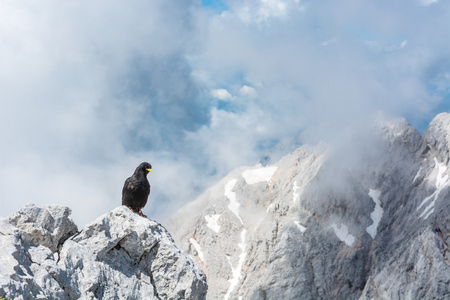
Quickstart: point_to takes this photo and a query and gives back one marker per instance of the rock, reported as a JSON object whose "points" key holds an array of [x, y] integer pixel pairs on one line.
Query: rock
{"points": [[437, 135], [368, 219], [121, 255], [420, 271], [48, 225]]}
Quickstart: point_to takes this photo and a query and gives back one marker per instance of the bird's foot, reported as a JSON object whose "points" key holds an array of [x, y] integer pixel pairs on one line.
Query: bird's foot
{"points": [[141, 213]]}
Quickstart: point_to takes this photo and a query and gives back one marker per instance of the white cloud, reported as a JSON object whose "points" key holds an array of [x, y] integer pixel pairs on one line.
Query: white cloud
{"points": [[271, 8], [221, 94], [428, 2], [385, 46], [329, 42], [261, 11], [248, 91]]}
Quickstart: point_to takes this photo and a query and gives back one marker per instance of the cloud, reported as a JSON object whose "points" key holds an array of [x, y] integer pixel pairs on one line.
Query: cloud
{"points": [[383, 46], [428, 2], [262, 11], [88, 91], [221, 94], [248, 91]]}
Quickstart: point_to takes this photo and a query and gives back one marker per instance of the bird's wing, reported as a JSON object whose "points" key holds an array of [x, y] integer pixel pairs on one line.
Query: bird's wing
{"points": [[126, 186]]}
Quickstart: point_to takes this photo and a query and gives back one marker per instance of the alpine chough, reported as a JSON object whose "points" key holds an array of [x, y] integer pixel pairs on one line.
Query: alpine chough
{"points": [[136, 189]]}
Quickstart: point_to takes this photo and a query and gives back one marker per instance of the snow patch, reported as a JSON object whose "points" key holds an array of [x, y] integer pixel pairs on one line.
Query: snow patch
{"points": [[296, 193], [198, 249], [211, 222], [342, 233], [234, 207], [429, 211], [234, 204], [441, 183], [300, 226], [269, 207], [237, 272], [417, 175], [377, 213], [259, 175]]}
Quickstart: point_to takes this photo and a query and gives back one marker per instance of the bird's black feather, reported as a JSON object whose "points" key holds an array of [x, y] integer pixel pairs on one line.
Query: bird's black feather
{"points": [[136, 189]]}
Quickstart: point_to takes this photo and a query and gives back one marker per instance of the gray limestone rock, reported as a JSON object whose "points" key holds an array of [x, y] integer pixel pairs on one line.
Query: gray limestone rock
{"points": [[367, 219], [48, 225], [121, 255], [437, 135]]}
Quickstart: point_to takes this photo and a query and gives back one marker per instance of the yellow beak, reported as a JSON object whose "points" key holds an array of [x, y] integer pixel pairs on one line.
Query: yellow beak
{"points": [[150, 170]]}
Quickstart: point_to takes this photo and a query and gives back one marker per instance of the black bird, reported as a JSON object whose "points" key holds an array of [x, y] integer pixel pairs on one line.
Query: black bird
{"points": [[136, 189]]}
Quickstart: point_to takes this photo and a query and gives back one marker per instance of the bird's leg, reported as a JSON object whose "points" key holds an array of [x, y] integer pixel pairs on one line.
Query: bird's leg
{"points": [[141, 213]]}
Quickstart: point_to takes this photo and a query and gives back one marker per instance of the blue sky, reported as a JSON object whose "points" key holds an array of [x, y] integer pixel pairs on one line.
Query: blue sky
{"points": [[198, 88], [217, 6]]}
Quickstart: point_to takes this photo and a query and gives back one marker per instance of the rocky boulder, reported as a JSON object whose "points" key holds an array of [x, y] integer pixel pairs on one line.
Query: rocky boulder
{"points": [[121, 255]]}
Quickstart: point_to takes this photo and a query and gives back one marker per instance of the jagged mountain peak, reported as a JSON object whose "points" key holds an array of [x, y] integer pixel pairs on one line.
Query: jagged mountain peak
{"points": [[365, 218]]}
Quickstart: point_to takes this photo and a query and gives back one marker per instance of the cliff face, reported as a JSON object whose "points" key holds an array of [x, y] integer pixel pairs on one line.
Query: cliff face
{"points": [[121, 255], [366, 221]]}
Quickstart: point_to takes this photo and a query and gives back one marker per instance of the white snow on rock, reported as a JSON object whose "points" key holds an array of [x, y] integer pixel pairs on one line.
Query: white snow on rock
{"points": [[198, 248], [211, 222], [300, 226], [296, 193], [417, 175], [253, 176], [234, 207], [234, 204], [341, 232], [376, 214], [441, 183], [237, 272]]}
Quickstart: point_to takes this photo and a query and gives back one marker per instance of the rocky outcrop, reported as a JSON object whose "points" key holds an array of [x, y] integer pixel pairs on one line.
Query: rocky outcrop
{"points": [[121, 255], [438, 136], [366, 220]]}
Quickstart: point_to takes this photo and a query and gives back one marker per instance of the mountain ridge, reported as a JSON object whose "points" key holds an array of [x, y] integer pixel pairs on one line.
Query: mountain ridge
{"points": [[366, 221]]}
